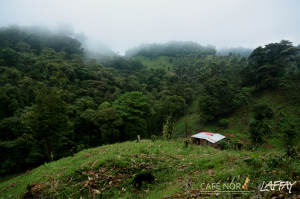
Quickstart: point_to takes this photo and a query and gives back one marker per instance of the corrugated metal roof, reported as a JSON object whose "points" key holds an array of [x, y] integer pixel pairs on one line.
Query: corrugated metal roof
{"points": [[211, 137]]}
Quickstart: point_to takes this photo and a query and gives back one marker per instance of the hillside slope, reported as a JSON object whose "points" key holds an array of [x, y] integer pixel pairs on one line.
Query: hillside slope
{"points": [[107, 172], [285, 106]]}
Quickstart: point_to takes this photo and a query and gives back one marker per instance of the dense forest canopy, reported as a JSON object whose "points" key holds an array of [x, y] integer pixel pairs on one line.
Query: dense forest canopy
{"points": [[172, 48], [54, 98]]}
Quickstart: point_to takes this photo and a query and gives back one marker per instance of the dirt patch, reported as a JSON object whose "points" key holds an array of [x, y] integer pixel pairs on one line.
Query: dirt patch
{"points": [[268, 145], [145, 141]]}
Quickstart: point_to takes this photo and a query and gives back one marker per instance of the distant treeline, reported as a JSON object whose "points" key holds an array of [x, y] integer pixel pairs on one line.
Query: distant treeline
{"points": [[34, 39], [172, 48], [239, 51]]}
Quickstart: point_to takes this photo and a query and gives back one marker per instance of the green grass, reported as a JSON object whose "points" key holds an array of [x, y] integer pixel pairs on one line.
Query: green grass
{"points": [[107, 171], [161, 61]]}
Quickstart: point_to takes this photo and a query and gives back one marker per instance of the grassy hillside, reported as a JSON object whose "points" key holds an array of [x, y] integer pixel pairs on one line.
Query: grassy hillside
{"points": [[285, 107], [107, 171], [161, 61], [165, 62]]}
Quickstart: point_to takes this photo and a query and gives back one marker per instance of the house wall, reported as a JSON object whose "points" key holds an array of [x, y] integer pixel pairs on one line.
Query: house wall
{"points": [[198, 141]]}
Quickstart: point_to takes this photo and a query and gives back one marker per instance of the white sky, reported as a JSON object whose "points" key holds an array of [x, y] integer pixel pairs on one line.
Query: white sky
{"points": [[123, 24]]}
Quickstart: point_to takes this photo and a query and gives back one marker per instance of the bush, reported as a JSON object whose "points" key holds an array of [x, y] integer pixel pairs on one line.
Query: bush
{"points": [[225, 144], [292, 151], [238, 145], [153, 138], [223, 123]]}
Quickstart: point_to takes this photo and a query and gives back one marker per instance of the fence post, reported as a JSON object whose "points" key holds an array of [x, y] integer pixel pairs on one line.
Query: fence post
{"points": [[138, 138]]}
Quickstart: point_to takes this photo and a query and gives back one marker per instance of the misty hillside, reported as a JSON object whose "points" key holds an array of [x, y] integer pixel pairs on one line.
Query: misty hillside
{"points": [[57, 101], [239, 51], [172, 48]]}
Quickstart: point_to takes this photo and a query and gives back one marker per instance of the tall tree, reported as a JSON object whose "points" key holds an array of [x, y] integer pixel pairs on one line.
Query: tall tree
{"points": [[133, 107], [268, 63], [108, 120], [48, 120], [259, 126]]}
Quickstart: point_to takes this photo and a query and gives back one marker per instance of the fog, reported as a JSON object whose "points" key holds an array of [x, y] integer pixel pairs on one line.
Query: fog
{"points": [[122, 24]]}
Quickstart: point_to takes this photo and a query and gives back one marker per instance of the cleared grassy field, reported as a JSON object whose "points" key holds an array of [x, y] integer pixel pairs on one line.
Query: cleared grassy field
{"points": [[162, 62], [107, 172]]}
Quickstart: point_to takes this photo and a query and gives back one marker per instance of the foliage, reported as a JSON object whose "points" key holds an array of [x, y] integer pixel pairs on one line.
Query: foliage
{"points": [[292, 151], [133, 108], [108, 121], [48, 120], [290, 134], [259, 126], [224, 123], [104, 105], [262, 111], [207, 106], [173, 48], [11, 100], [225, 144], [153, 138], [269, 63], [174, 106], [168, 128]]}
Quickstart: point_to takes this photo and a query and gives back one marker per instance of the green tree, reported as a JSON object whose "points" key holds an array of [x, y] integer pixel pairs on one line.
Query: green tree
{"points": [[174, 106], [108, 120], [207, 107], [262, 111], [9, 75], [86, 132], [83, 103], [104, 105], [290, 133], [168, 128], [133, 107], [259, 126], [27, 85], [19, 149], [11, 100], [267, 64], [217, 99], [48, 120]]}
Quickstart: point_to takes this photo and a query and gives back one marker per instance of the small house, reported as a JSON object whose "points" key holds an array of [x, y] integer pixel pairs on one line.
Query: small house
{"points": [[207, 138]]}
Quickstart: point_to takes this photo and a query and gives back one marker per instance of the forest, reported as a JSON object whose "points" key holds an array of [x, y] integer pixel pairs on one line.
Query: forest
{"points": [[55, 99]]}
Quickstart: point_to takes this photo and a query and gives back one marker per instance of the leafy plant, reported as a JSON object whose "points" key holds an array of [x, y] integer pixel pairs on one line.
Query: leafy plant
{"points": [[225, 145], [223, 123], [259, 126], [292, 151], [153, 138], [168, 128], [238, 145]]}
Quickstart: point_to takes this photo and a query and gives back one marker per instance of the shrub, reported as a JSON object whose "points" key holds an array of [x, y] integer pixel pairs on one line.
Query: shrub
{"points": [[292, 151], [238, 145], [153, 138], [225, 144], [223, 123]]}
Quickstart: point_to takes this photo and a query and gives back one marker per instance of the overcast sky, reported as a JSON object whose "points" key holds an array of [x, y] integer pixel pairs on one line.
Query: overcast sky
{"points": [[123, 24]]}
